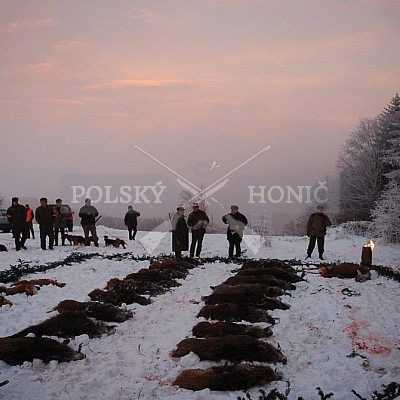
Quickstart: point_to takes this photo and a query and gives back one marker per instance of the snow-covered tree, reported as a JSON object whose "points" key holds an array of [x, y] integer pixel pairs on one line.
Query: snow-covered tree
{"points": [[360, 169], [386, 214], [389, 128]]}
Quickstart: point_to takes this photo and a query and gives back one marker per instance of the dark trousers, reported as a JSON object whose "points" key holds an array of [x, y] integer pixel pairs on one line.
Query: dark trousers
{"points": [[56, 231], [234, 244], [197, 239], [87, 229], [320, 242], [19, 237], [132, 229], [29, 230], [46, 232]]}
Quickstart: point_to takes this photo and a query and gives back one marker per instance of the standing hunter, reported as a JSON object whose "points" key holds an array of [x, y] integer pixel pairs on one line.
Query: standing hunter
{"points": [[130, 221], [236, 224], [180, 232], [16, 215], [197, 222], [88, 214], [316, 231]]}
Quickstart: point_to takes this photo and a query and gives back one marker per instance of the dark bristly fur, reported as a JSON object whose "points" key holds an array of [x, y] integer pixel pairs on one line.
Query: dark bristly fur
{"points": [[15, 351], [226, 378], [263, 279], [231, 312], [211, 329], [231, 348], [268, 263], [277, 272], [117, 298], [100, 311], [67, 326], [253, 294]]}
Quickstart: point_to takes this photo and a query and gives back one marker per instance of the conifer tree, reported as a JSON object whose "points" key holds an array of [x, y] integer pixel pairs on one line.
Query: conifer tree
{"points": [[386, 214], [389, 129]]}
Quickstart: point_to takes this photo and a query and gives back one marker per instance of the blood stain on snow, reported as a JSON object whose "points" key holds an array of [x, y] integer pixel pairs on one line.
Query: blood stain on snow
{"points": [[368, 343]]}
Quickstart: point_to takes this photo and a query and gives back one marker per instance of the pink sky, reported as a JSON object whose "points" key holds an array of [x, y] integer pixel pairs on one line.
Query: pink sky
{"points": [[191, 82]]}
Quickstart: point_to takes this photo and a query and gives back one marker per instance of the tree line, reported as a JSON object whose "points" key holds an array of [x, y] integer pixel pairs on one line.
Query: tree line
{"points": [[366, 190]]}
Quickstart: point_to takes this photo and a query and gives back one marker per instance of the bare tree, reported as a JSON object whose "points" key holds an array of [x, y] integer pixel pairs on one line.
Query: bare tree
{"points": [[360, 171], [186, 197]]}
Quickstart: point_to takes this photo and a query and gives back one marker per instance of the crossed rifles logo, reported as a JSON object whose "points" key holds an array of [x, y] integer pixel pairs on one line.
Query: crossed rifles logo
{"points": [[198, 193]]}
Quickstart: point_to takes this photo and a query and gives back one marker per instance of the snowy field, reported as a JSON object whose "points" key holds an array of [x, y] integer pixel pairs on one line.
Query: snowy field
{"points": [[329, 320]]}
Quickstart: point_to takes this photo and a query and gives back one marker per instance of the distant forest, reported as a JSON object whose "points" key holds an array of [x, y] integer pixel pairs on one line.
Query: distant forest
{"points": [[364, 195]]}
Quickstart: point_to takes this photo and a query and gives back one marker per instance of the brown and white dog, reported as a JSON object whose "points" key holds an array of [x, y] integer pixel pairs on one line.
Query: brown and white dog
{"points": [[114, 242]]}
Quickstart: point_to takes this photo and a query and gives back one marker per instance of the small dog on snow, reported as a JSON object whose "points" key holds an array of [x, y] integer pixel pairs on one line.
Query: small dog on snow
{"points": [[114, 242]]}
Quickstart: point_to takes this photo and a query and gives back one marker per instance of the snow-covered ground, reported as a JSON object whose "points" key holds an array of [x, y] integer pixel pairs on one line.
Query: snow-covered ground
{"points": [[317, 334]]}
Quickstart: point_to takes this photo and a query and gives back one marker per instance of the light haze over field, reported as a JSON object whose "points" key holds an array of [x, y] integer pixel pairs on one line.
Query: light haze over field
{"points": [[202, 86]]}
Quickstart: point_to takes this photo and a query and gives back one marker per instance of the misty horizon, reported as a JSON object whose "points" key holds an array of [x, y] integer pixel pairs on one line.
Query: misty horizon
{"points": [[201, 87]]}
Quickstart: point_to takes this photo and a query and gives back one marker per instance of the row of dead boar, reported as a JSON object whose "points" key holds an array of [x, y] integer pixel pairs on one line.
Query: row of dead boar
{"points": [[77, 318], [246, 296]]}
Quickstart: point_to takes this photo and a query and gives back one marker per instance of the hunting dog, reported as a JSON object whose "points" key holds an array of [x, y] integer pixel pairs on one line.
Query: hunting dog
{"points": [[114, 242], [75, 240]]}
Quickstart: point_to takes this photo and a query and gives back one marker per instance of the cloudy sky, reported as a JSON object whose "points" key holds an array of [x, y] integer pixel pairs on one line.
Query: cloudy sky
{"points": [[200, 85]]}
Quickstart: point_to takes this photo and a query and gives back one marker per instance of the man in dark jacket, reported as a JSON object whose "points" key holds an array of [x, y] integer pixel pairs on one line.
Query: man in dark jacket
{"points": [[45, 218], [236, 224], [130, 221], [197, 222], [16, 215], [316, 231], [180, 232], [60, 222], [88, 214]]}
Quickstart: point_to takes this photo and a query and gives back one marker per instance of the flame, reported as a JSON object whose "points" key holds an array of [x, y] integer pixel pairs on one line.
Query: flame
{"points": [[370, 244]]}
